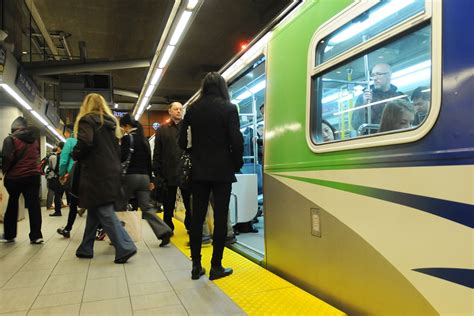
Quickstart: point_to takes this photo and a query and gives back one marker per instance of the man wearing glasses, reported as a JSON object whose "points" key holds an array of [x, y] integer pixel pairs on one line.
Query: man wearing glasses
{"points": [[381, 89]]}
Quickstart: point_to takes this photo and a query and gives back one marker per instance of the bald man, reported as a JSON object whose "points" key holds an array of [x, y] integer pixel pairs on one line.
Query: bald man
{"points": [[381, 89]]}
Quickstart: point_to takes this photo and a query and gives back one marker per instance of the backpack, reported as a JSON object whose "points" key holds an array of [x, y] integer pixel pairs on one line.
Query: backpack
{"points": [[45, 167]]}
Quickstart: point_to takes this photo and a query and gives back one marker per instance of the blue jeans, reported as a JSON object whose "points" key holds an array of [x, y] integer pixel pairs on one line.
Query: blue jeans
{"points": [[105, 215]]}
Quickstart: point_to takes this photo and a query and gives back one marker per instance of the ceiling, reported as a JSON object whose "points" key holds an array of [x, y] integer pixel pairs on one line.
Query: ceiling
{"points": [[127, 30]]}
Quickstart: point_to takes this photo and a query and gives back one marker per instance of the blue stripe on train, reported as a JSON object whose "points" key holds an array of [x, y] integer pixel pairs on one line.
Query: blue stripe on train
{"points": [[463, 277], [461, 213]]}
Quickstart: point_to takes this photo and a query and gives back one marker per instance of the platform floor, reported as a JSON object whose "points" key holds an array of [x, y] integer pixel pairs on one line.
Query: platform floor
{"points": [[48, 279]]}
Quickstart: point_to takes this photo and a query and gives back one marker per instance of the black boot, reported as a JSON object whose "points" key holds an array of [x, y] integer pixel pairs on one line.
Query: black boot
{"points": [[197, 271], [218, 272]]}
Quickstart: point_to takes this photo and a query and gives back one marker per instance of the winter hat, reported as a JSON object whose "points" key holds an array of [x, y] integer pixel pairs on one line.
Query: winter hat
{"points": [[19, 123]]}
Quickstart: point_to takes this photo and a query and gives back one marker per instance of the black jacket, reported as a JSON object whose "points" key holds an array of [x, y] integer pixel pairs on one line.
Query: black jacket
{"points": [[98, 153], [167, 152], [217, 143], [360, 117], [140, 162], [21, 154]]}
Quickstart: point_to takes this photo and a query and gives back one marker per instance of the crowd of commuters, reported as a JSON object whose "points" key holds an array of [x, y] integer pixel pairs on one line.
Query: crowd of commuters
{"points": [[106, 162], [382, 108]]}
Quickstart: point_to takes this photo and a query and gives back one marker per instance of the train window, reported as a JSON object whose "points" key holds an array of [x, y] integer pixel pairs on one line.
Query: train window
{"points": [[371, 23]]}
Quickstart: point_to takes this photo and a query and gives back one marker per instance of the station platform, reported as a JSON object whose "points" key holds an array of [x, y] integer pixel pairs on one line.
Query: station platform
{"points": [[48, 279]]}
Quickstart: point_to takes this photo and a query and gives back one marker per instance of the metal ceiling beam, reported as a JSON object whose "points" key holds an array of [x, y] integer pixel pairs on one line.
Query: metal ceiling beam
{"points": [[39, 22], [93, 66]]}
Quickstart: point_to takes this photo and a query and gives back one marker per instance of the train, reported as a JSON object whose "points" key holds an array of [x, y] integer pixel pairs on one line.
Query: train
{"points": [[373, 220]]}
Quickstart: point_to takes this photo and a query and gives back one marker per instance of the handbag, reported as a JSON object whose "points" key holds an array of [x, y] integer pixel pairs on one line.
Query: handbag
{"points": [[132, 222], [126, 163], [70, 181], [184, 170]]}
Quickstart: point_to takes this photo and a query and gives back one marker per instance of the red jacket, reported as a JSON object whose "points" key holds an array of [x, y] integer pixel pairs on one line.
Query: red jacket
{"points": [[21, 154]]}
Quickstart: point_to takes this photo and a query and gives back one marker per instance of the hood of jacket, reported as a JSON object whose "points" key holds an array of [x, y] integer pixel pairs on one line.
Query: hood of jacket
{"points": [[28, 135], [109, 122]]}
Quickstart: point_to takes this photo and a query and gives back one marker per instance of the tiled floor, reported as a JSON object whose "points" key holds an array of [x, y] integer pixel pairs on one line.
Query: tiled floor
{"points": [[49, 280]]}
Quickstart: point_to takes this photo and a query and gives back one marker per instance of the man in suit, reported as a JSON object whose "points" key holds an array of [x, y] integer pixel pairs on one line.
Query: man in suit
{"points": [[216, 153]]}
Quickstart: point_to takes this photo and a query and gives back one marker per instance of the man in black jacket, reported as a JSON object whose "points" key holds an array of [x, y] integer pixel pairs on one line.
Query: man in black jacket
{"points": [[166, 155]]}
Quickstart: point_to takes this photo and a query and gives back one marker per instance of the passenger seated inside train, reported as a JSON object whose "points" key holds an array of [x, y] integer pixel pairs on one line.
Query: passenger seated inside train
{"points": [[420, 97], [398, 114], [328, 132]]}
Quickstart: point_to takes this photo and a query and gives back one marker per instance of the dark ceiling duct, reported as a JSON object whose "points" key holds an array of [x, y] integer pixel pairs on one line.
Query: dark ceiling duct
{"points": [[90, 67]]}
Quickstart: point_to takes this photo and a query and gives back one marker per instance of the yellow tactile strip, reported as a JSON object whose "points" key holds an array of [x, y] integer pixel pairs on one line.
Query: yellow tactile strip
{"points": [[256, 290]]}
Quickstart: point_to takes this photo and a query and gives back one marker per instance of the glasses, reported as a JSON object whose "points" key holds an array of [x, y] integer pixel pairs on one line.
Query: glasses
{"points": [[379, 74]]}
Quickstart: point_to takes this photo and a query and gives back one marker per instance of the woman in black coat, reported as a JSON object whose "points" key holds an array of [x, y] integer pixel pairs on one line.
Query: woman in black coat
{"points": [[137, 181], [216, 154], [98, 154]]}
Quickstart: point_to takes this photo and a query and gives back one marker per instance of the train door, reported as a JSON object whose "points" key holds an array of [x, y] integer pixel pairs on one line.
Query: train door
{"points": [[247, 91]]}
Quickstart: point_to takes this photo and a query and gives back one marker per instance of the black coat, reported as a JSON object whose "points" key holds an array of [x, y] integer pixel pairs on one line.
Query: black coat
{"points": [[217, 143], [167, 152], [140, 162], [98, 153]]}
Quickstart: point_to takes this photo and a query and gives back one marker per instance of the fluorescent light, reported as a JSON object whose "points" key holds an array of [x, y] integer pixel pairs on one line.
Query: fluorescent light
{"points": [[178, 31], [55, 132], [40, 118], [116, 105], [148, 107], [166, 56], [192, 4], [49, 145], [156, 76], [375, 17], [252, 90], [16, 96], [150, 90]]}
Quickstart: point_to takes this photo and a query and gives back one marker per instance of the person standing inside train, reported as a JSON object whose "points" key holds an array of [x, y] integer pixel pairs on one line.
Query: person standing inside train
{"points": [[98, 155], [166, 156], [216, 154], [382, 89], [21, 170]]}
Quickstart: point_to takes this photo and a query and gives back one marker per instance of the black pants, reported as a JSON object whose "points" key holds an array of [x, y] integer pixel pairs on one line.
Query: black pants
{"points": [[201, 191], [170, 201], [29, 187], [53, 184], [71, 218]]}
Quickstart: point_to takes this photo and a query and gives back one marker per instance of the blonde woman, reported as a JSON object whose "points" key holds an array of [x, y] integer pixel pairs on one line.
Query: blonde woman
{"points": [[98, 154]]}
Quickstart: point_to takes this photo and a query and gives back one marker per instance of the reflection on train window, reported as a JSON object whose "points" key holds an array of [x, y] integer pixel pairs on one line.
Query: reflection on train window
{"points": [[385, 89], [378, 19]]}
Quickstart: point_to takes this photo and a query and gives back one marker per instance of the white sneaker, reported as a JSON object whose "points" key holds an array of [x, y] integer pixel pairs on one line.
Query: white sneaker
{"points": [[4, 240], [37, 241]]}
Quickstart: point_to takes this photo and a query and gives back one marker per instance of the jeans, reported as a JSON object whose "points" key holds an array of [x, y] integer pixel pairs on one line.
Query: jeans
{"points": [[30, 188], [105, 215]]}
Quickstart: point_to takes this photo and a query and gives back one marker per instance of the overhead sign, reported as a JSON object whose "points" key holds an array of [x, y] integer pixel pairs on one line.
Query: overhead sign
{"points": [[52, 113], [26, 85]]}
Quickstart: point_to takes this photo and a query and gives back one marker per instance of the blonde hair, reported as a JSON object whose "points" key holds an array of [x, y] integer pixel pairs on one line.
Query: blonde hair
{"points": [[95, 103]]}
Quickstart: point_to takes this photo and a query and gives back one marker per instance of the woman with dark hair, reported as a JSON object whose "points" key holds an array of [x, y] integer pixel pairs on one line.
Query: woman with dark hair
{"points": [[216, 154], [398, 114], [328, 132], [137, 181]]}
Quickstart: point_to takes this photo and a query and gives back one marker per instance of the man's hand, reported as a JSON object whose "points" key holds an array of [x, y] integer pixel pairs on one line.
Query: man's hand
{"points": [[367, 96]]}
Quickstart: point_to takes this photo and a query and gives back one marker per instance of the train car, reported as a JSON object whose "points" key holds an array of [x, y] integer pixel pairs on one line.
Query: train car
{"points": [[377, 218]]}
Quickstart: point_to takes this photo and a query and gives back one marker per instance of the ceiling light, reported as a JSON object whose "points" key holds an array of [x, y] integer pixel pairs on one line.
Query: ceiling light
{"points": [[55, 132], [166, 56], [156, 76], [16, 96], [150, 90], [375, 17], [178, 31], [116, 105], [148, 107], [49, 145], [192, 4], [40, 118]]}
